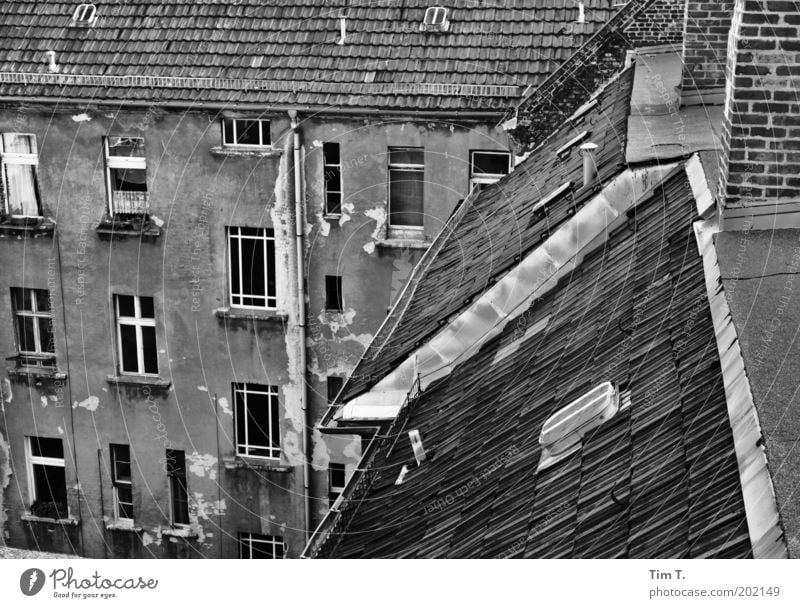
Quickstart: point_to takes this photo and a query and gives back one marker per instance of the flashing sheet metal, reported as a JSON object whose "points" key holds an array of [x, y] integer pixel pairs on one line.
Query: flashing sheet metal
{"points": [[763, 519], [536, 274]]}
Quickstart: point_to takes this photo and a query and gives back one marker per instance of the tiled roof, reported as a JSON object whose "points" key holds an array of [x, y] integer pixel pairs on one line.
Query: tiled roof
{"points": [[486, 239], [273, 52], [659, 479]]}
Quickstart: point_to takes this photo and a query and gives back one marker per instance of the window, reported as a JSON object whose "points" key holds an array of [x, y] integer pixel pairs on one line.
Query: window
{"points": [[126, 176], [178, 490], [333, 179], [337, 479], [257, 422], [406, 176], [33, 319], [261, 546], [488, 167], [333, 293], [136, 335], [335, 384], [243, 132], [85, 14], [18, 162], [48, 482], [563, 432], [121, 478], [435, 19], [252, 267]]}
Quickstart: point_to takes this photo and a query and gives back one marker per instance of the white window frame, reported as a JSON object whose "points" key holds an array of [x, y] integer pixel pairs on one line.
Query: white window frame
{"points": [[235, 144], [248, 539], [270, 300], [273, 400], [325, 167], [123, 162], [419, 168], [486, 178], [172, 480], [85, 14], [332, 488], [36, 314], [19, 158], [42, 460], [117, 483], [138, 322]]}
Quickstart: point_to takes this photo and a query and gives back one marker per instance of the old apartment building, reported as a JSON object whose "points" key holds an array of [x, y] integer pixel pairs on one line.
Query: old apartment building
{"points": [[617, 377], [207, 210]]}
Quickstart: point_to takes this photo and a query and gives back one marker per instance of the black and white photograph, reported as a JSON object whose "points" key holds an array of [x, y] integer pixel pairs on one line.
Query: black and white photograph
{"points": [[419, 280]]}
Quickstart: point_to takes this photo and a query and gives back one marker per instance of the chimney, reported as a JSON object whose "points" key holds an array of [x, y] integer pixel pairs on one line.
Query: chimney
{"points": [[705, 50], [760, 176], [589, 164], [51, 61]]}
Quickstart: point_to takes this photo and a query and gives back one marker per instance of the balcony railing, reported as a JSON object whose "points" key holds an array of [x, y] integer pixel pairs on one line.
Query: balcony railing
{"points": [[129, 202]]}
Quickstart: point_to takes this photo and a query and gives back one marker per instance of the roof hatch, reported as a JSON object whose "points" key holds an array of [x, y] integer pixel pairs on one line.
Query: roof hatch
{"points": [[85, 14], [563, 431], [435, 20]]}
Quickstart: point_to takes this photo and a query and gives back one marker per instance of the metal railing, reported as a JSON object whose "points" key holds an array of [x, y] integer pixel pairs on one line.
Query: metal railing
{"points": [[335, 523], [256, 84], [129, 202]]}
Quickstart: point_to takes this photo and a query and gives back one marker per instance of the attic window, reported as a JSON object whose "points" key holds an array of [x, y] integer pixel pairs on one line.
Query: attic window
{"points": [[542, 204], [435, 20], [563, 432], [85, 14]]}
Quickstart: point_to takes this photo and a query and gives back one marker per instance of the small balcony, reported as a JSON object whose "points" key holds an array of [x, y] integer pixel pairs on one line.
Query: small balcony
{"points": [[129, 202]]}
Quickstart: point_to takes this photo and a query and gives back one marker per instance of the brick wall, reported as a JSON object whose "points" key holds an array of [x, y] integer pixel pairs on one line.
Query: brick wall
{"points": [[639, 23], [705, 47], [761, 142], [660, 23]]}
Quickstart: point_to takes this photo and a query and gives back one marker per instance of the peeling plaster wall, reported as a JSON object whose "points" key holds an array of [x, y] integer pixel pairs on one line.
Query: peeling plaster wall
{"points": [[194, 194], [351, 245]]}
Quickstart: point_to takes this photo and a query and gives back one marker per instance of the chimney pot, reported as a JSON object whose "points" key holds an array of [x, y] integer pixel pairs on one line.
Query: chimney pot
{"points": [[589, 163], [51, 60]]}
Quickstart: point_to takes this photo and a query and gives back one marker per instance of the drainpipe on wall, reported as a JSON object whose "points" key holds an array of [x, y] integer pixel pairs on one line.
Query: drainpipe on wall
{"points": [[301, 314]]}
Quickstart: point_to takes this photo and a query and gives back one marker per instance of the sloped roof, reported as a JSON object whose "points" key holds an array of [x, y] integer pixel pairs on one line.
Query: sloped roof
{"points": [[659, 479], [275, 52], [490, 235]]}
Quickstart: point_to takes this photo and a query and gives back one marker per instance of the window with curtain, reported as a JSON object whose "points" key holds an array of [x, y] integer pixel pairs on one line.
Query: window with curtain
{"points": [[406, 177], [19, 160]]}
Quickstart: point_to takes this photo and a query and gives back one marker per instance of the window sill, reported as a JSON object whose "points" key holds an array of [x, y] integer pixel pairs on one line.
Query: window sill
{"points": [[123, 527], [34, 227], [403, 243], [138, 228], [258, 464], [40, 373], [246, 151], [67, 521], [253, 314], [143, 381], [186, 532]]}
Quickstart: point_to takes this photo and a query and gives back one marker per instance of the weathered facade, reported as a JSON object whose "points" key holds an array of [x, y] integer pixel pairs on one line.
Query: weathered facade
{"points": [[179, 277]]}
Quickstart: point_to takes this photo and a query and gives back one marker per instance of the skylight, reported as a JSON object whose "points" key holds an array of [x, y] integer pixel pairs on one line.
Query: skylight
{"points": [[563, 432], [435, 20], [85, 14]]}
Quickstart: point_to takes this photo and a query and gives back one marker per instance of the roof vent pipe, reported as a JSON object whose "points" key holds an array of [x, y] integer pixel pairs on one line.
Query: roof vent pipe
{"points": [[342, 29], [581, 13], [589, 164], [51, 59]]}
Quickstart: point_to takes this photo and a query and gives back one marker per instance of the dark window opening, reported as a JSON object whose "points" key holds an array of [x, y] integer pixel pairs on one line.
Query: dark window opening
{"points": [[406, 178], [261, 546], [337, 479], [333, 293], [252, 267], [257, 420], [335, 384], [49, 482], [136, 333], [245, 132], [121, 478], [179, 492]]}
